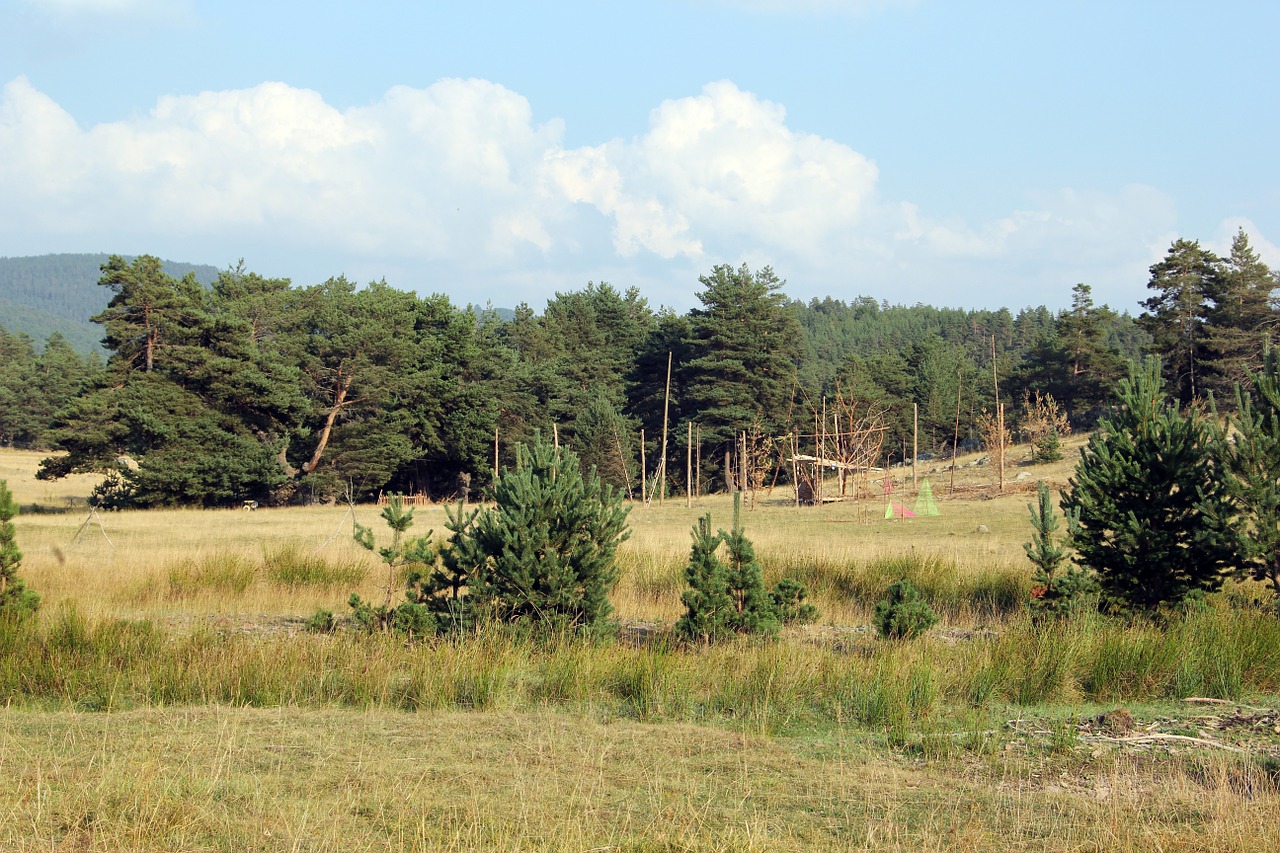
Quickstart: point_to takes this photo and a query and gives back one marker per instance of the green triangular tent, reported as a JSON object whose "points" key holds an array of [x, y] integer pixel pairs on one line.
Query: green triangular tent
{"points": [[925, 504]]}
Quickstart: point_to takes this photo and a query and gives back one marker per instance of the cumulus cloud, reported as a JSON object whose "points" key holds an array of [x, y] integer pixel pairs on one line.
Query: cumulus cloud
{"points": [[460, 178]]}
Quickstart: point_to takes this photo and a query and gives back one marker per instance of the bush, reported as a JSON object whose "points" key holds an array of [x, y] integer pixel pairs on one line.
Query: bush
{"points": [[788, 597], [902, 614]]}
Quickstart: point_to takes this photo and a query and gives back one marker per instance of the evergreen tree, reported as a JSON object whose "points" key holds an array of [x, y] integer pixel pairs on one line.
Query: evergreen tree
{"points": [[1054, 591], [1250, 447], [743, 361], [15, 598], [753, 610], [151, 316], [549, 542], [1187, 282], [1242, 315], [410, 617], [1154, 514], [707, 601]]}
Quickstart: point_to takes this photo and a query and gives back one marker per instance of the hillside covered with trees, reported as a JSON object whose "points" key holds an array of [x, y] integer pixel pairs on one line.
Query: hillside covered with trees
{"points": [[251, 388], [44, 294]]}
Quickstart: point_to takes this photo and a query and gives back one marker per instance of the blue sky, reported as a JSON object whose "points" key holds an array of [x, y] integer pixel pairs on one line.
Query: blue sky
{"points": [[976, 154]]}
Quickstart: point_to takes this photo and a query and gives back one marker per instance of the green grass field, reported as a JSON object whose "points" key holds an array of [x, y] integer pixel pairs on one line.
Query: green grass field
{"points": [[167, 699]]}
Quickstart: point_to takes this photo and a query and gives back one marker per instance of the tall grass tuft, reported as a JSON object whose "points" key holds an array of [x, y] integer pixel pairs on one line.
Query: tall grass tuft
{"points": [[291, 567], [223, 572]]}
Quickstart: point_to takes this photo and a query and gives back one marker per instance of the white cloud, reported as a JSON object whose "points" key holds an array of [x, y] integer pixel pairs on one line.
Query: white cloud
{"points": [[460, 182]]}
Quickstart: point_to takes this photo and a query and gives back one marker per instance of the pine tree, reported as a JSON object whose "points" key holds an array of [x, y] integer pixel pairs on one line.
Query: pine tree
{"points": [[549, 542], [1250, 446], [1186, 281], [1240, 318], [1053, 591], [15, 598], [410, 617], [753, 609], [1154, 515], [742, 365], [706, 600]]}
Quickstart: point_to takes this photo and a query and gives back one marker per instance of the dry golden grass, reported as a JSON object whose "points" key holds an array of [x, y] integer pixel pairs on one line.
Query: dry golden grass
{"points": [[218, 778], [554, 756], [126, 565]]}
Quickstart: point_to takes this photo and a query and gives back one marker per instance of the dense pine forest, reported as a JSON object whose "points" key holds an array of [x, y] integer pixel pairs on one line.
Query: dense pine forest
{"points": [[245, 387]]}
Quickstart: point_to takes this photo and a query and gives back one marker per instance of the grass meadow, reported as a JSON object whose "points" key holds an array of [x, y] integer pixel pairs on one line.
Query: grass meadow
{"points": [[166, 697]]}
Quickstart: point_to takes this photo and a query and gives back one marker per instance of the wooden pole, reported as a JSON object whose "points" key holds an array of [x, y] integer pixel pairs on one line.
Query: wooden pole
{"points": [[915, 443], [817, 465], [742, 466], [644, 472], [795, 466], [688, 468], [555, 436], [495, 454], [1000, 409], [955, 439], [662, 466]]}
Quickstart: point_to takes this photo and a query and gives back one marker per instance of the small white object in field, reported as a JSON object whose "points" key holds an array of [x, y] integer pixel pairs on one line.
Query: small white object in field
{"points": [[982, 528]]}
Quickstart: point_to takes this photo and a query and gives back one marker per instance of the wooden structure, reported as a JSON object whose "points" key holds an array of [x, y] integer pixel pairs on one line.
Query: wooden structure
{"points": [[405, 500]]}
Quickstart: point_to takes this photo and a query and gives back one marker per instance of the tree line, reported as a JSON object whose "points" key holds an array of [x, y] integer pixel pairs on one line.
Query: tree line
{"points": [[251, 388]]}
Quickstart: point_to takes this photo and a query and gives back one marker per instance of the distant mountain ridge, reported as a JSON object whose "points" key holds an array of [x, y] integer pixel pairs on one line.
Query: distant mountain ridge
{"points": [[43, 294]]}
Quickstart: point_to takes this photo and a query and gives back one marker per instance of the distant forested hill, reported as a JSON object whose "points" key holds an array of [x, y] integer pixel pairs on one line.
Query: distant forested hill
{"points": [[59, 293]]}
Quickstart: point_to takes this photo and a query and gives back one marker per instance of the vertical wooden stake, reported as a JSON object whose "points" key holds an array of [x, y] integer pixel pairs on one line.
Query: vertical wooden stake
{"points": [[1000, 408], [697, 462], [915, 443], [555, 436], [688, 468], [662, 466], [955, 439], [495, 454], [644, 472]]}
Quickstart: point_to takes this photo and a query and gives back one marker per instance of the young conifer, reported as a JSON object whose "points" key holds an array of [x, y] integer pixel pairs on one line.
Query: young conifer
{"points": [[707, 601], [753, 611], [548, 545], [1058, 587], [1154, 516], [15, 598]]}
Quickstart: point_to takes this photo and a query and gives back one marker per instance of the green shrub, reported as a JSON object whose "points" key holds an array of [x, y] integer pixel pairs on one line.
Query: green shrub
{"points": [[788, 596], [902, 614], [321, 622]]}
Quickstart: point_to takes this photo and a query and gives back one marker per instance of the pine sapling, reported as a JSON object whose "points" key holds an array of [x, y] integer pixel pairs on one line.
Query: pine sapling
{"points": [[15, 598], [903, 614], [409, 617], [707, 601], [1055, 591], [753, 608]]}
